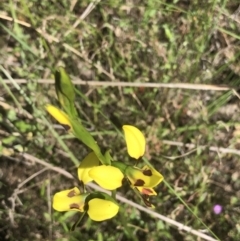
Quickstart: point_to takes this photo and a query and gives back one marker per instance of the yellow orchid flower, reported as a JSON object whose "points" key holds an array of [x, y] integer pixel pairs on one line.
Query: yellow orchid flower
{"points": [[143, 179], [135, 141], [107, 177], [98, 209]]}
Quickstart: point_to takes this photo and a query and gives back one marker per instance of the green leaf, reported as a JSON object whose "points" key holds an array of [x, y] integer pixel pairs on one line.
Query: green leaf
{"points": [[77, 222], [108, 156], [9, 140], [66, 96], [65, 91], [85, 137]]}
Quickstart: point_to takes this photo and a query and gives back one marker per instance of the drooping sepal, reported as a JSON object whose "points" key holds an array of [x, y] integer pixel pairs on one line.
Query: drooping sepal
{"points": [[100, 206]]}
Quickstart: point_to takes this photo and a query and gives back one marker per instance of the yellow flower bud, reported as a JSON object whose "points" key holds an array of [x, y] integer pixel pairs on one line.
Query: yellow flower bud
{"points": [[59, 115]]}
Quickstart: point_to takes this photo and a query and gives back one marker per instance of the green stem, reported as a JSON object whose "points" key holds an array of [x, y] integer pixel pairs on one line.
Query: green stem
{"points": [[114, 192], [77, 222]]}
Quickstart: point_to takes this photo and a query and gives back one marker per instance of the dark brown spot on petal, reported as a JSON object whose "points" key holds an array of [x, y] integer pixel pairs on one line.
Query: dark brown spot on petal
{"points": [[139, 183], [71, 193], [74, 205], [66, 127], [147, 172]]}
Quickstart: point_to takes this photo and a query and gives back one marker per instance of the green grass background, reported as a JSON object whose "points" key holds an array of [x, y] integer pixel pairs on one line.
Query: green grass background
{"points": [[151, 41]]}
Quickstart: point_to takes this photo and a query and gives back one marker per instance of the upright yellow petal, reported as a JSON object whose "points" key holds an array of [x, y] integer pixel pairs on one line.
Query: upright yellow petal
{"points": [[107, 177], [135, 141], [87, 163], [70, 199], [59, 115], [100, 209]]}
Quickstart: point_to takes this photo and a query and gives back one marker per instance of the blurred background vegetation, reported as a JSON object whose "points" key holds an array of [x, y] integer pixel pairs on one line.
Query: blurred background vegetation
{"points": [[192, 133]]}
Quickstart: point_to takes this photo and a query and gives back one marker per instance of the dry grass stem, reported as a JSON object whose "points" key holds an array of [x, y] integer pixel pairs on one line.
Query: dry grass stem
{"points": [[188, 86]]}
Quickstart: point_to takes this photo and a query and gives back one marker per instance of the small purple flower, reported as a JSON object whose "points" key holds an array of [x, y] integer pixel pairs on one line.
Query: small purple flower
{"points": [[217, 209]]}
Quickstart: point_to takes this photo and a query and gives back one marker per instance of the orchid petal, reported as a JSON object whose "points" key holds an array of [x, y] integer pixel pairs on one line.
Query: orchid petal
{"points": [[70, 199], [59, 115], [135, 141], [146, 177], [90, 161], [100, 209], [107, 177]]}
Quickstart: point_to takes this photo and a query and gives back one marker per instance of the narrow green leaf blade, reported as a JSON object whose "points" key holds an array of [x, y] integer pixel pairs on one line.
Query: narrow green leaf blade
{"points": [[65, 91], [85, 137]]}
